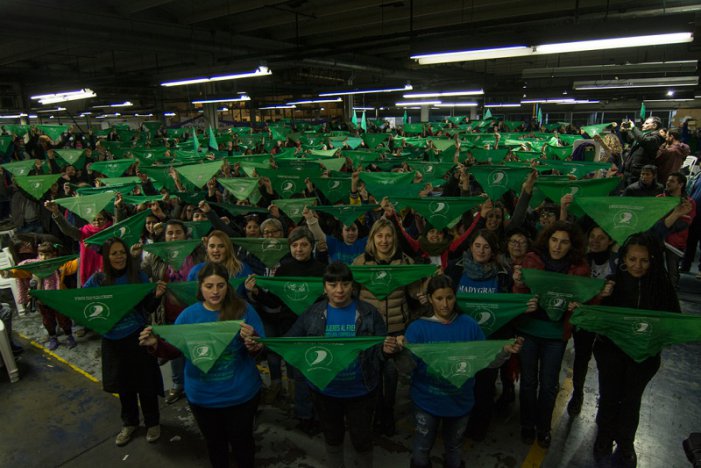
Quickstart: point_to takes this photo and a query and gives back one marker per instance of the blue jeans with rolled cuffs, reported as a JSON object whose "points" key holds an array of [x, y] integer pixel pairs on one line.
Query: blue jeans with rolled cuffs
{"points": [[425, 436]]}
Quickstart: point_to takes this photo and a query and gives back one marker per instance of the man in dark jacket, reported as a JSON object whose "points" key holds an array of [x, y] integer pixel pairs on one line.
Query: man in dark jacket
{"points": [[647, 185], [644, 145]]}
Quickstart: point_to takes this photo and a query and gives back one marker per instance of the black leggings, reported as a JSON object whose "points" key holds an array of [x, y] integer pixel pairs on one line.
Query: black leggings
{"points": [[229, 426]]}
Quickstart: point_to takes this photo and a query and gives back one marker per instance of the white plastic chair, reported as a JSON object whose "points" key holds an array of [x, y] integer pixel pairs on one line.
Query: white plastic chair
{"points": [[7, 359], [690, 162], [6, 260]]}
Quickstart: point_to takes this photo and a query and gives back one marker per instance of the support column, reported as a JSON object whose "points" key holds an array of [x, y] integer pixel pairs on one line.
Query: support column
{"points": [[211, 115], [424, 113]]}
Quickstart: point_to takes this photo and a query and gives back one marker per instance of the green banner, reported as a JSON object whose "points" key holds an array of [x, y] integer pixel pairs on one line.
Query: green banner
{"points": [[556, 290], [98, 309], [497, 180], [186, 291], [346, 214], [268, 251], [199, 174], [44, 268], [555, 189], [381, 280], [294, 207], [321, 359], [640, 333], [38, 185], [175, 252], [336, 189], [53, 131], [493, 311], [201, 343], [112, 168], [129, 230], [241, 188], [441, 212], [19, 168], [457, 362], [622, 216], [297, 293], [285, 185], [86, 206]]}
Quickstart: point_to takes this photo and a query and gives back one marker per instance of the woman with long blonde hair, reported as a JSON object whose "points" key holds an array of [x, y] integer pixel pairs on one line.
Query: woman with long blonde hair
{"points": [[219, 249]]}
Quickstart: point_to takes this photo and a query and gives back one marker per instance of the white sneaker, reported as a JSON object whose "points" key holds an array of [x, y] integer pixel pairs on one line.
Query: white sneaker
{"points": [[124, 435], [153, 433]]}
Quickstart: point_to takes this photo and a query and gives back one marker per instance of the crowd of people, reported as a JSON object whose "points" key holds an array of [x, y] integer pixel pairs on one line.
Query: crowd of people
{"points": [[484, 250]]}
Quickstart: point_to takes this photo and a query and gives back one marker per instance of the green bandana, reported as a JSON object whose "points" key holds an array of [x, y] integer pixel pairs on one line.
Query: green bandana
{"points": [[554, 190], [98, 309], [37, 185], [457, 362], [87, 206], [527, 155], [284, 185], [199, 174], [381, 280], [198, 229], [324, 153], [124, 189], [19, 168], [497, 180], [149, 156], [294, 207], [346, 214], [640, 333], [268, 251], [361, 157], [297, 293], [174, 253], [353, 142], [622, 216], [120, 180], [19, 130], [441, 212], [494, 156], [414, 128], [239, 210], [186, 291], [432, 169], [53, 131], [593, 130], [321, 359], [391, 181], [201, 343], [152, 125], [71, 156], [442, 144], [576, 168], [241, 187], [336, 189], [141, 199], [493, 311], [334, 164], [280, 133], [112, 168], [373, 140], [129, 230], [556, 290], [44, 268], [558, 152]]}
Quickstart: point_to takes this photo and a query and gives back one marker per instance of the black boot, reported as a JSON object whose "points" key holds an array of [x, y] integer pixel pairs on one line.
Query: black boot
{"points": [[574, 407]]}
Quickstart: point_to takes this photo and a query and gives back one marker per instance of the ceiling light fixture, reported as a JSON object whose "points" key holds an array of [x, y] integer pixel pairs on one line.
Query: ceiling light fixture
{"points": [[637, 83], [416, 103], [406, 87], [313, 101], [505, 104], [17, 116], [169, 114], [470, 55], [215, 101], [260, 71], [119, 104], [364, 108], [143, 115], [457, 104], [58, 109], [472, 92], [282, 106], [55, 98]]}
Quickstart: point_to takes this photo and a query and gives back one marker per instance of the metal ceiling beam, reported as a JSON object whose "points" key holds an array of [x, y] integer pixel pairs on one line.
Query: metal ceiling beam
{"points": [[137, 6], [678, 66], [230, 9]]}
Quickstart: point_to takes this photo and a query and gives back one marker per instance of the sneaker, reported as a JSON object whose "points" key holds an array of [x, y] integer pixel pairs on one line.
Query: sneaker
{"points": [[71, 342], [574, 407], [124, 435], [173, 395], [53, 344], [153, 433]]}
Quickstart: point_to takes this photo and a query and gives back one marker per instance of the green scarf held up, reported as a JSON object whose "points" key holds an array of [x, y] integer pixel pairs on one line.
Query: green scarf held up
{"points": [[414, 128], [141, 199], [71, 156], [87, 206], [297, 293], [294, 207], [440, 212], [198, 229], [336, 189], [493, 156], [578, 169], [353, 142], [242, 188], [492, 311], [497, 180], [269, 251], [121, 180], [373, 140], [321, 359], [199, 174], [333, 164], [19, 168], [19, 130], [98, 309], [381, 280], [385, 183], [347, 214], [361, 157], [640, 333], [556, 290], [554, 190], [44, 268], [201, 343], [175, 252], [285, 185], [432, 169], [593, 130], [457, 362], [36, 186], [129, 230], [442, 144], [114, 168], [53, 131], [186, 291], [622, 216]]}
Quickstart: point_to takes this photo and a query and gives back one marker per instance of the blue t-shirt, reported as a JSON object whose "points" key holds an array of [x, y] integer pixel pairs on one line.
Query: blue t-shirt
{"points": [[245, 271], [342, 252], [434, 395], [234, 378], [133, 321], [469, 285]]}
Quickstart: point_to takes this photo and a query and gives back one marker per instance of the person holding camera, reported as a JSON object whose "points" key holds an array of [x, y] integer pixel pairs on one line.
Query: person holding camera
{"points": [[643, 146]]}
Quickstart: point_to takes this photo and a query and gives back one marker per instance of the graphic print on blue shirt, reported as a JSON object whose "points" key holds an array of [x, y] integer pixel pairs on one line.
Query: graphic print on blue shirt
{"points": [[342, 252], [469, 285], [340, 323]]}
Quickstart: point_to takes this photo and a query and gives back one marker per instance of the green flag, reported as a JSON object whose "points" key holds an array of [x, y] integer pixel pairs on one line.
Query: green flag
{"points": [[354, 120], [19, 168], [487, 114], [364, 123], [36, 186], [212, 140], [201, 343], [269, 251], [381, 280], [405, 119], [440, 212], [321, 359], [457, 362], [642, 111], [199, 174], [293, 207], [71, 156], [540, 116], [98, 309], [497, 180], [640, 333], [195, 141], [43, 268], [186, 291], [346, 214], [53, 131], [622, 216], [240, 187], [297, 293], [556, 290], [492, 311], [112, 168], [555, 189], [129, 230], [593, 130], [175, 252], [86, 206]]}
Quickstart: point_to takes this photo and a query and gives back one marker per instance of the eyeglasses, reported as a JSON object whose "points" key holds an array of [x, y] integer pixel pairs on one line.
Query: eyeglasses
{"points": [[517, 243]]}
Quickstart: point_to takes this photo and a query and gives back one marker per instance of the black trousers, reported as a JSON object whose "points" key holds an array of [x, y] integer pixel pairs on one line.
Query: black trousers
{"points": [[334, 412], [230, 426], [583, 349], [481, 414], [622, 382], [130, 408]]}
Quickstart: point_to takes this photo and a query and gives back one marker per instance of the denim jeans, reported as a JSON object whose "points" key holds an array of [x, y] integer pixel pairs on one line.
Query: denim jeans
{"points": [[177, 368], [541, 359], [425, 436]]}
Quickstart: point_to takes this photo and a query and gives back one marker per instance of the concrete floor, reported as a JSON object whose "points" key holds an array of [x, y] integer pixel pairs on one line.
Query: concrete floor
{"points": [[57, 416]]}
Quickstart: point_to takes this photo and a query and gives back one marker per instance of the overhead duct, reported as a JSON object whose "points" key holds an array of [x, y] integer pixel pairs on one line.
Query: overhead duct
{"points": [[678, 66]]}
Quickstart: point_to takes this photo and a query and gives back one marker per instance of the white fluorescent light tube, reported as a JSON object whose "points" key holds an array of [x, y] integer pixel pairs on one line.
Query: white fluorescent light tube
{"points": [[87, 93], [578, 101], [223, 109], [364, 108], [123, 104], [58, 109], [214, 101], [169, 114], [457, 104], [85, 113], [277, 107], [474, 92], [407, 87], [470, 55], [260, 71], [13, 116], [33, 116], [53, 95], [548, 101], [506, 104], [416, 103], [143, 115], [614, 43], [313, 101]]}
